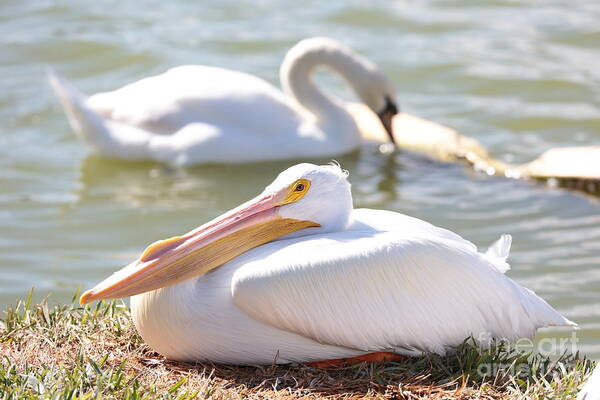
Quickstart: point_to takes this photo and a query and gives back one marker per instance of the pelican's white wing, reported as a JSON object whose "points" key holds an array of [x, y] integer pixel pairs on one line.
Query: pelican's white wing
{"points": [[415, 288]]}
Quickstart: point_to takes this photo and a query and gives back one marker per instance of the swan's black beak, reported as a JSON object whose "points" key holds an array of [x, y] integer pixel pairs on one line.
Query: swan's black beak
{"points": [[386, 115]]}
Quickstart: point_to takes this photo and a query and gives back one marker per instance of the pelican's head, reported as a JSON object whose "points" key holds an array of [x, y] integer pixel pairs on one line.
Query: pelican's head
{"points": [[320, 194], [304, 199]]}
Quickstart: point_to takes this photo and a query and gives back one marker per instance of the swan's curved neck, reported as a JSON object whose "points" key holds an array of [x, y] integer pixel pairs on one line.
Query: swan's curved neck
{"points": [[296, 73]]}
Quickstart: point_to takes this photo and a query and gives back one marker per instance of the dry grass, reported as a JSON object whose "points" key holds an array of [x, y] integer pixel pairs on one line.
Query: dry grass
{"points": [[72, 352]]}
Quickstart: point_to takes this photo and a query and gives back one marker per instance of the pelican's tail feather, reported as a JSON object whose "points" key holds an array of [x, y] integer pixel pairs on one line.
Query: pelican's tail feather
{"points": [[102, 135], [498, 253], [541, 312]]}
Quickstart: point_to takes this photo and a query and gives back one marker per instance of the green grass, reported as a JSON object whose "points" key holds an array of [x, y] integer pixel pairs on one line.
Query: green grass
{"points": [[93, 352]]}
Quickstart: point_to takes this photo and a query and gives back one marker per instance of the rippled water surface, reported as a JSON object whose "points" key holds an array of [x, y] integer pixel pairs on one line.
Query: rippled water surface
{"points": [[520, 76]]}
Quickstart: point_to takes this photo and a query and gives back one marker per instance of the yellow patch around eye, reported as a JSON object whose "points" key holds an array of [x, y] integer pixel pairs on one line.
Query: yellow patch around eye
{"points": [[159, 247], [296, 191]]}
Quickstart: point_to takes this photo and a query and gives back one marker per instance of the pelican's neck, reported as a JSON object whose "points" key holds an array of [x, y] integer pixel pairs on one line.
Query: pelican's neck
{"points": [[296, 73]]}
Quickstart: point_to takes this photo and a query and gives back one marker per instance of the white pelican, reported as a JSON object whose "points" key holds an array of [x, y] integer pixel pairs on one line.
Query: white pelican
{"points": [[591, 389], [199, 114], [297, 275]]}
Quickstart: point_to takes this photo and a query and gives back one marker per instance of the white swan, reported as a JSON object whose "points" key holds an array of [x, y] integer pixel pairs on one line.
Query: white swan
{"points": [[200, 114], [298, 275]]}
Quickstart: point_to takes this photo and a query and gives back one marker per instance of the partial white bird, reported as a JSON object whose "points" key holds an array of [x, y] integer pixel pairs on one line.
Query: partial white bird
{"points": [[591, 389], [297, 275], [201, 114]]}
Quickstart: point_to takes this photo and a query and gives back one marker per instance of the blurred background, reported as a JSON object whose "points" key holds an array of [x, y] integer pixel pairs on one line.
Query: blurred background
{"points": [[520, 76]]}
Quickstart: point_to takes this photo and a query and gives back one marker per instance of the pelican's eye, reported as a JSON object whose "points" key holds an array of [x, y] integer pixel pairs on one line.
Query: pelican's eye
{"points": [[296, 191]]}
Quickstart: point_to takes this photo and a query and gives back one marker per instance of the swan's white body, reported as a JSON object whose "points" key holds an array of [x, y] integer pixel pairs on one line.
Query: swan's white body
{"points": [[591, 389], [353, 282], [200, 114]]}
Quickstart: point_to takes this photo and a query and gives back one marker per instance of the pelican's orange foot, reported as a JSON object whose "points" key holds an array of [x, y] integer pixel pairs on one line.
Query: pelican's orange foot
{"points": [[378, 358]]}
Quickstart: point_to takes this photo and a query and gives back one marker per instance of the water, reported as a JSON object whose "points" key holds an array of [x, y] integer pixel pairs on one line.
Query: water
{"points": [[520, 76]]}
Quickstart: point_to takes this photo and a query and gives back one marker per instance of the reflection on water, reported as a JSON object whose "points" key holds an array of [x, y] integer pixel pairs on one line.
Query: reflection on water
{"points": [[518, 76]]}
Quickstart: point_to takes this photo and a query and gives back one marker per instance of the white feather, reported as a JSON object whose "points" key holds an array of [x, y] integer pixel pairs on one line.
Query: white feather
{"points": [[498, 253]]}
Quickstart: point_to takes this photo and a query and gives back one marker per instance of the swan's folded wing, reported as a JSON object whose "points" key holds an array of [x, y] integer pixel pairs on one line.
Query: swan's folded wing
{"points": [[378, 291], [167, 102]]}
